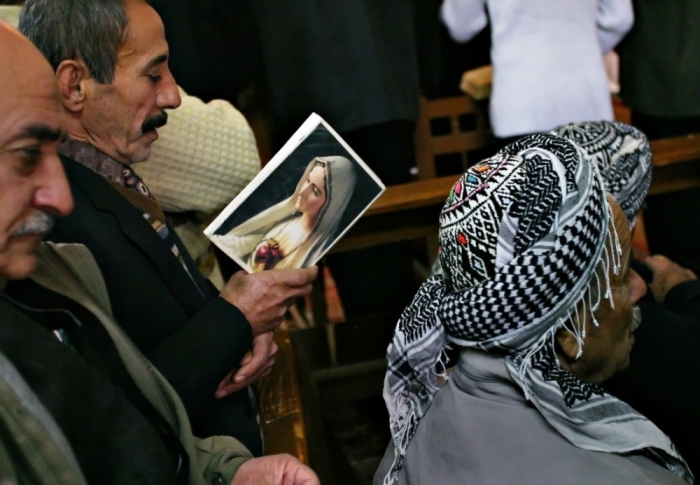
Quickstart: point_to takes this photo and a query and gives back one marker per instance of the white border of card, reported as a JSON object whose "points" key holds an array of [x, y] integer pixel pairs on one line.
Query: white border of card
{"points": [[308, 127]]}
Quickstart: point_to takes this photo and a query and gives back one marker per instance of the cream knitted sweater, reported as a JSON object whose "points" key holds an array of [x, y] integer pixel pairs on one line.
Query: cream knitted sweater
{"points": [[203, 158]]}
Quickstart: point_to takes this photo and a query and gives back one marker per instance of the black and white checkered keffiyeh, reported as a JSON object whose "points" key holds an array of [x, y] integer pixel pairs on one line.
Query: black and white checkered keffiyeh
{"points": [[622, 154], [521, 235]]}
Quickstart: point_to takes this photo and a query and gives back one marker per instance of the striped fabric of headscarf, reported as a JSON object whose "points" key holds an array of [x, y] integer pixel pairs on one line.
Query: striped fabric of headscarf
{"points": [[521, 237]]}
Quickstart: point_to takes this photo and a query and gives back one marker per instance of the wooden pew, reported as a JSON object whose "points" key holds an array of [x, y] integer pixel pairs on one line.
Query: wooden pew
{"points": [[280, 405], [676, 164], [409, 211], [403, 212]]}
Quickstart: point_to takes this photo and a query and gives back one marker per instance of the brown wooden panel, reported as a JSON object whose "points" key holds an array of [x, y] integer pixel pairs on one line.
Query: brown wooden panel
{"points": [[428, 146], [412, 195], [459, 142], [441, 108], [280, 405], [391, 235], [675, 150], [308, 352], [678, 176]]}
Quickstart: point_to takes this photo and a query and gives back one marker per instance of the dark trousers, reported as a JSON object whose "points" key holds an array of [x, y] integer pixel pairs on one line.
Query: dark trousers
{"points": [[379, 279], [672, 220]]}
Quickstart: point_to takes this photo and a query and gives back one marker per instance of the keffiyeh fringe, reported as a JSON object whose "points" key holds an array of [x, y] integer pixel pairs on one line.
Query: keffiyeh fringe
{"points": [[409, 399]]}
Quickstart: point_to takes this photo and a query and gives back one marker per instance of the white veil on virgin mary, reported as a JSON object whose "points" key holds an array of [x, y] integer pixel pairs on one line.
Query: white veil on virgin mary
{"points": [[340, 180]]}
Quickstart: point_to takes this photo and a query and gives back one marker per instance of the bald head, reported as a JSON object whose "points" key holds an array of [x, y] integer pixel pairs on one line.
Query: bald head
{"points": [[21, 61], [32, 183]]}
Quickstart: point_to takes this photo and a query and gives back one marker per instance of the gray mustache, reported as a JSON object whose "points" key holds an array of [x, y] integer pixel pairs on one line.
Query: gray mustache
{"points": [[636, 317], [39, 223]]}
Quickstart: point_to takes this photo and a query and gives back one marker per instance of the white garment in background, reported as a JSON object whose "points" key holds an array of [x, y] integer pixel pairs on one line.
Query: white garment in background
{"points": [[547, 57]]}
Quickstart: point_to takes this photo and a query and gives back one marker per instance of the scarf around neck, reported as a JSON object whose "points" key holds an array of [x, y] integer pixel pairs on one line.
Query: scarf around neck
{"points": [[521, 235]]}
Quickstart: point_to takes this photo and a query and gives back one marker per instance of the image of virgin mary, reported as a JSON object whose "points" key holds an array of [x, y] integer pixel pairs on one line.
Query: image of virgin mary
{"points": [[295, 232]]}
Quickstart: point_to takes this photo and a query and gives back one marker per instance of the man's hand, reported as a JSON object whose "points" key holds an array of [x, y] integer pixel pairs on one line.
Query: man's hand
{"points": [[667, 274], [274, 470], [256, 363], [265, 296]]}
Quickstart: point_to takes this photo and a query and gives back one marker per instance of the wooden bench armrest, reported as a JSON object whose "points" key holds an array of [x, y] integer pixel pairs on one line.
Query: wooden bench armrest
{"points": [[281, 414]]}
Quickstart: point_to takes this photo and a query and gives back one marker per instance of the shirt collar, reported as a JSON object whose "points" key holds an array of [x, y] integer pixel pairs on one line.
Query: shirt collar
{"points": [[94, 159]]}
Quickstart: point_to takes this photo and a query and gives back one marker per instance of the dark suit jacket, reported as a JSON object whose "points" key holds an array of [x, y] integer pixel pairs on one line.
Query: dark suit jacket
{"points": [[192, 336], [112, 441], [660, 59]]}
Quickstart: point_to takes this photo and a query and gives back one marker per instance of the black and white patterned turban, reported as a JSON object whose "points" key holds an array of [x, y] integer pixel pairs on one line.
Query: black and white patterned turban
{"points": [[521, 235], [623, 156]]}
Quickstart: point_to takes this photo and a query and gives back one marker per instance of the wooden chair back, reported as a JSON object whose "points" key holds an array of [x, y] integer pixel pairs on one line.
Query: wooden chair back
{"points": [[450, 126]]}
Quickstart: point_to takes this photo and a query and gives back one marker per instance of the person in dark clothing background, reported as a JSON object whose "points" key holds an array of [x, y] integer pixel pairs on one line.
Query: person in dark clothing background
{"points": [[354, 63], [215, 53], [660, 83]]}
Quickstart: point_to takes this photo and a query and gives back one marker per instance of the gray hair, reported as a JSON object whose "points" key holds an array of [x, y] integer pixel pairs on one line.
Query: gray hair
{"points": [[89, 30]]}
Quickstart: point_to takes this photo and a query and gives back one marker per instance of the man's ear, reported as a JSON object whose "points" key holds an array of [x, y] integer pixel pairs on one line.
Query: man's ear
{"points": [[72, 77], [567, 346]]}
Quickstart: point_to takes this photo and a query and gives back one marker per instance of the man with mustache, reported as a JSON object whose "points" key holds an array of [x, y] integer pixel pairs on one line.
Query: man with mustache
{"points": [[78, 403], [111, 62]]}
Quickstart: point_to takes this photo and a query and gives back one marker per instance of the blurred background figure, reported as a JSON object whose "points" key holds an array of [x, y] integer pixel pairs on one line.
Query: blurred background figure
{"points": [[660, 80], [355, 63], [547, 57]]}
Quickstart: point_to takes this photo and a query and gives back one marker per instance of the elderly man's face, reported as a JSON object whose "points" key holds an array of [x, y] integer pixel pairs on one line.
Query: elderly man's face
{"points": [[121, 118], [32, 182], [607, 346]]}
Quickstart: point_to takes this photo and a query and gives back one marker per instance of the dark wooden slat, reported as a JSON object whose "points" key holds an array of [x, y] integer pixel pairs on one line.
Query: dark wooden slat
{"points": [[456, 143], [676, 164], [675, 150]]}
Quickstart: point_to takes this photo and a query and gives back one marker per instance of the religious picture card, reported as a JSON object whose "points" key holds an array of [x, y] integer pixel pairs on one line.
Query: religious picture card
{"points": [[299, 205]]}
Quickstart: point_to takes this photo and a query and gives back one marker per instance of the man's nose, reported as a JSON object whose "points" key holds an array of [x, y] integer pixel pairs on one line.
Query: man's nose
{"points": [[638, 288], [53, 192], [168, 96]]}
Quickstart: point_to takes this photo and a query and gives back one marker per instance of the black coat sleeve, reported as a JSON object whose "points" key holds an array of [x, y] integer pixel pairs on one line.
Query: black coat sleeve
{"points": [[193, 337], [202, 351], [684, 299]]}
